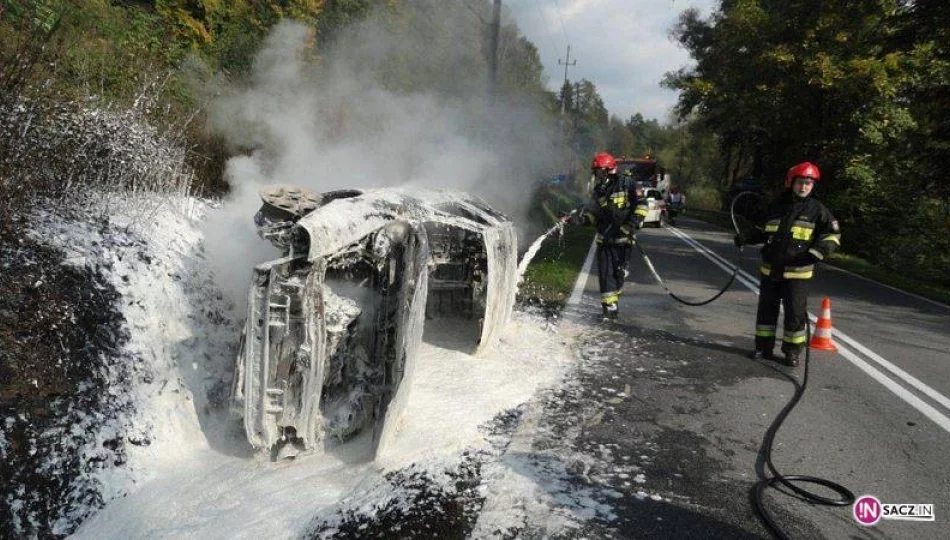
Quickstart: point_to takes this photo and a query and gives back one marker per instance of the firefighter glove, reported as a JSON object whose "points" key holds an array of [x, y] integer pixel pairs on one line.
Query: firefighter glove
{"points": [[739, 240], [629, 232]]}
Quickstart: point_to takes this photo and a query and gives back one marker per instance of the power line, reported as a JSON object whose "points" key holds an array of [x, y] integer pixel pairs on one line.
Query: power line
{"points": [[550, 34], [561, 18], [493, 64], [566, 63], [560, 124], [477, 14]]}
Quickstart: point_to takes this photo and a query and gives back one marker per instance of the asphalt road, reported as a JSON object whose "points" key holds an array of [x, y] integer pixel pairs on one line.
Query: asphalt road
{"points": [[693, 409]]}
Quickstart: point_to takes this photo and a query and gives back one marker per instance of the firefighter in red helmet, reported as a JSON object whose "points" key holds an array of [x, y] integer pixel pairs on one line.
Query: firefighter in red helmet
{"points": [[798, 231], [615, 211]]}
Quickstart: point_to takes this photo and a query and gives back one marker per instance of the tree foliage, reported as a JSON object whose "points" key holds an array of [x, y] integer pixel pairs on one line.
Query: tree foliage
{"points": [[649, 137], [108, 51], [859, 87]]}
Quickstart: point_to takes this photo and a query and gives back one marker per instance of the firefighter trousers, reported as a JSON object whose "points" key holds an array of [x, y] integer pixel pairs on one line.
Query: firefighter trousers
{"points": [[611, 271], [792, 294]]}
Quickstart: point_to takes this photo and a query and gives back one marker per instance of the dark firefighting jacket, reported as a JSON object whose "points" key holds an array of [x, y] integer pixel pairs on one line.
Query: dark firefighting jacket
{"points": [[615, 210], [797, 233]]}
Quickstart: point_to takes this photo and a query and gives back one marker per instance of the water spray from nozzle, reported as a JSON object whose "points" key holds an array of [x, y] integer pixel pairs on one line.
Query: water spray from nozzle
{"points": [[536, 245]]}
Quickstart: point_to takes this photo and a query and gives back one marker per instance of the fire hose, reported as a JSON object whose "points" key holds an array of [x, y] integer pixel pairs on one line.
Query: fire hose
{"points": [[732, 278], [659, 279], [846, 497]]}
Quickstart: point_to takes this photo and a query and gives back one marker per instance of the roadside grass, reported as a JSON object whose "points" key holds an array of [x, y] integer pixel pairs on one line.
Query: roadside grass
{"points": [[710, 216], [550, 277], [853, 263], [863, 267]]}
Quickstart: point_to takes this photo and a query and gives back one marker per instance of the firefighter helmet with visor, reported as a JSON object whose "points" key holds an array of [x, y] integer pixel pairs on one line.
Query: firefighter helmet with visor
{"points": [[604, 160], [802, 170]]}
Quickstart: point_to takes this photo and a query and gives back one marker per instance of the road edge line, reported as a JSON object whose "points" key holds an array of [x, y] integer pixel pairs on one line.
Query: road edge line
{"points": [[864, 366], [578, 291]]}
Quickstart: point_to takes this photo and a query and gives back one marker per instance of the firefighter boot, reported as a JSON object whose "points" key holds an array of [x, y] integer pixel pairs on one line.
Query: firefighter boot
{"points": [[610, 311], [792, 356], [763, 348]]}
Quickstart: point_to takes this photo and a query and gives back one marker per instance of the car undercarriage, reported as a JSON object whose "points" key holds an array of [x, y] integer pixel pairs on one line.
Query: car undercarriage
{"points": [[334, 326]]}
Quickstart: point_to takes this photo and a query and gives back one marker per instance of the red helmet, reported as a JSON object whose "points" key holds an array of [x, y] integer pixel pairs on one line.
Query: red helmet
{"points": [[805, 170], [603, 160]]}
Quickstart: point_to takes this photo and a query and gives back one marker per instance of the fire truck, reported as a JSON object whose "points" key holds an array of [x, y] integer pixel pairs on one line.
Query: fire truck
{"points": [[644, 171], [651, 181]]}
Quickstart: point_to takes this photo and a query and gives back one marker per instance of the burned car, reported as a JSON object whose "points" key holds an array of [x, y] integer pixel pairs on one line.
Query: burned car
{"points": [[334, 325]]}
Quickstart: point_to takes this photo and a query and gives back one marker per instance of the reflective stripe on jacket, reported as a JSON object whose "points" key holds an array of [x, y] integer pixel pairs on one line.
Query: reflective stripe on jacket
{"points": [[616, 211], [797, 233]]}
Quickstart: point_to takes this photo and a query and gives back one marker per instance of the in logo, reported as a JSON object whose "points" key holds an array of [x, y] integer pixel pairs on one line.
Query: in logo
{"points": [[867, 510]]}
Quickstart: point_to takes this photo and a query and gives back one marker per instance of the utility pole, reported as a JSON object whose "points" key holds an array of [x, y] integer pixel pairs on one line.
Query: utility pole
{"points": [[567, 63], [575, 148], [577, 101], [493, 57], [560, 130]]}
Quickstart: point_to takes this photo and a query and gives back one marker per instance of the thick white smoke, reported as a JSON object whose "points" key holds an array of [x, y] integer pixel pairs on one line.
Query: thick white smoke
{"points": [[392, 101]]}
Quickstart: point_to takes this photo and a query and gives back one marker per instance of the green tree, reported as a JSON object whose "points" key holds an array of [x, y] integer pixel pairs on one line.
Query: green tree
{"points": [[620, 140], [648, 135], [848, 85], [589, 132]]}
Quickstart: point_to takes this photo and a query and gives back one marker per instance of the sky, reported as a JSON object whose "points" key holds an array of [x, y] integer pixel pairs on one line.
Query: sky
{"points": [[622, 46]]}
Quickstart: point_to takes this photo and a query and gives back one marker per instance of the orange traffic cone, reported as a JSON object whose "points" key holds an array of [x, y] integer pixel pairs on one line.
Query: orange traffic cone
{"points": [[821, 339]]}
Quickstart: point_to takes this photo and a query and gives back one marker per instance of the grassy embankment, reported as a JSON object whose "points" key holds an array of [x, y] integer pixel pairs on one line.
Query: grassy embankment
{"points": [[855, 264], [550, 277]]}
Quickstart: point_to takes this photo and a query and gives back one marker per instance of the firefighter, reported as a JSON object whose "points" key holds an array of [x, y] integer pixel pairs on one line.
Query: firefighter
{"points": [[675, 203], [798, 232], [615, 211]]}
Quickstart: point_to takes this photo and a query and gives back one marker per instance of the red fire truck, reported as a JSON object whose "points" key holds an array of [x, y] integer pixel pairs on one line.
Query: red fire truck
{"points": [[644, 171]]}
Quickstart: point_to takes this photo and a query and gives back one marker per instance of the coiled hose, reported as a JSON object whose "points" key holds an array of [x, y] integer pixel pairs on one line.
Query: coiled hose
{"points": [[846, 496]]}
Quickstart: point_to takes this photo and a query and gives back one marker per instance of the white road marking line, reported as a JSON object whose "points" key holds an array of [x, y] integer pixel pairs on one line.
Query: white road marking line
{"points": [[907, 377], [582, 278], [901, 392], [897, 389], [885, 285], [742, 276]]}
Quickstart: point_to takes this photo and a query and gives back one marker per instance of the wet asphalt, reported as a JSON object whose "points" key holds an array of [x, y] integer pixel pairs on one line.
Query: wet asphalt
{"points": [[667, 390], [658, 429]]}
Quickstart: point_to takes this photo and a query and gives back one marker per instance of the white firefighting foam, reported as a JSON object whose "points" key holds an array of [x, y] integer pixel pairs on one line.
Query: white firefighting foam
{"points": [[533, 250], [197, 477]]}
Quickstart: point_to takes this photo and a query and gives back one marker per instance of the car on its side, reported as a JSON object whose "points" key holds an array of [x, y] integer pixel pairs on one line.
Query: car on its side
{"points": [[334, 325]]}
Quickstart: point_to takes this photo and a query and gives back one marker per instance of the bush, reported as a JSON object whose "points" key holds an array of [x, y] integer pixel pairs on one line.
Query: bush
{"points": [[703, 197], [81, 146]]}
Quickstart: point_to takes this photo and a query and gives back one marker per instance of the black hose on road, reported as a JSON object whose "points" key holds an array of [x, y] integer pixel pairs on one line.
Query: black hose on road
{"points": [[659, 280], [847, 497], [735, 268]]}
